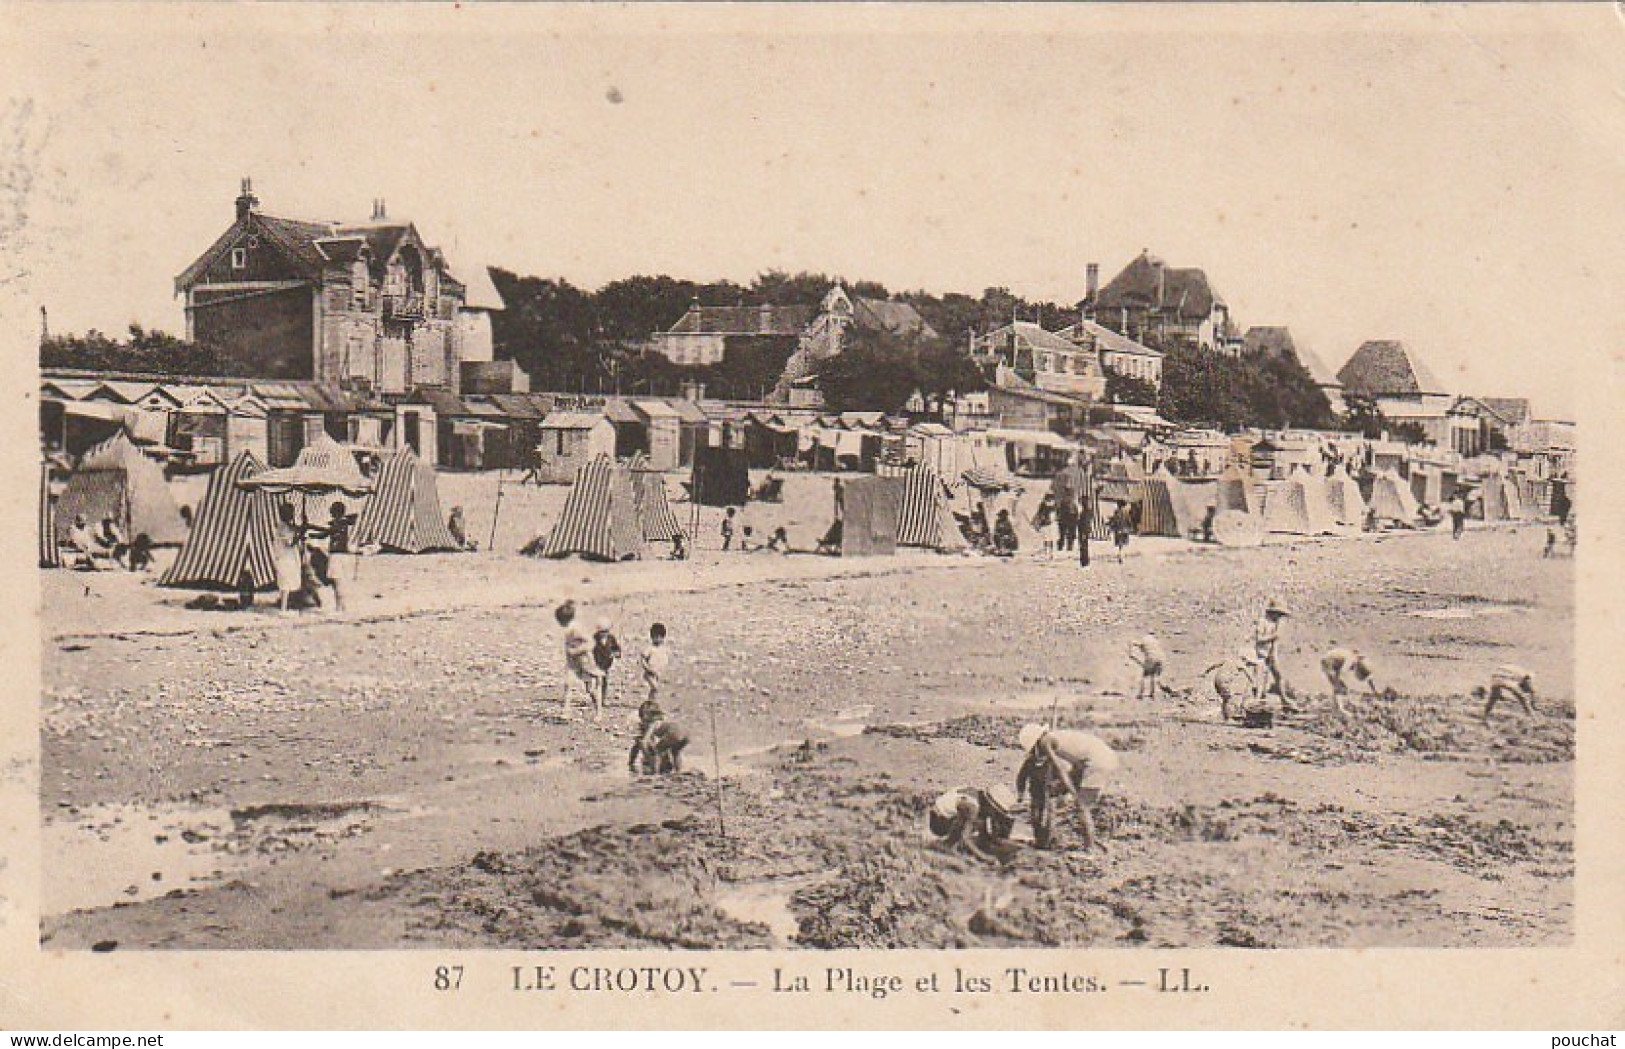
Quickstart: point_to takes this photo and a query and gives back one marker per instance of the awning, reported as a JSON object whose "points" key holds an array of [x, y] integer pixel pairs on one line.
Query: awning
{"points": [[474, 427]]}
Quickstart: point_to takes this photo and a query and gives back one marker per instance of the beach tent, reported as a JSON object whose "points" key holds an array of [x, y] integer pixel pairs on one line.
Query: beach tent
{"points": [[1190, 501], [923, 516], [655, 515], [232, 533], [721, 477], [1297, 506], [49, 555], [600, 518], [1343, 496], [1427, 485], [1391, 499], [1235, 491], [870, 508], [1157, 516], [403, 515], [115, 480], [1498, 497]]}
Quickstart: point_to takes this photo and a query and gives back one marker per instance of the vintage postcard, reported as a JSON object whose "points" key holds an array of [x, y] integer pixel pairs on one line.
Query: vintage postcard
{"points": [[830, 515]]}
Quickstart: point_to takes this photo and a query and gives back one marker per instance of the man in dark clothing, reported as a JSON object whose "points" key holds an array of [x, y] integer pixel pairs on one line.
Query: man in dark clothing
{"points": [[1070, 490]]}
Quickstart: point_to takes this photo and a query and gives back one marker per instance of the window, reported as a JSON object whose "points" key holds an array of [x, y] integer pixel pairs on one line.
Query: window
{"points": [[239, 258]]}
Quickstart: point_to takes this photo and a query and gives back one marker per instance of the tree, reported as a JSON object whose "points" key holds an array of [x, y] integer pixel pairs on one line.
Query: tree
{"points": [[874, 372], [144, 351], [1129, 389], [943, 370], [1362, 415]]}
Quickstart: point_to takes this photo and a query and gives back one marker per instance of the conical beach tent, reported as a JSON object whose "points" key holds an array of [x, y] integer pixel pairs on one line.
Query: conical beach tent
{"points": [[1391, 499], [1190, 501], [600, 518], [1157, 516], [655, 515], [1499, 498], [923, 517], [1343, 495], [231, 534], [49, 555], [1297, 506], [403, 514], [1236, 491], [115, 480]]}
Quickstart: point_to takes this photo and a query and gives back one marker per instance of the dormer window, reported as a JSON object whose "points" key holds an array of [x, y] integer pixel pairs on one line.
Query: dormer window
{"points": [[239, 258]]}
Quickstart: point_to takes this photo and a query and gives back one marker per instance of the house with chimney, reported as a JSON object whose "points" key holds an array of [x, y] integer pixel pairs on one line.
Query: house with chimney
{"points": [[1150, 301], [366, 305], [1117, 353], [1045, 360]]}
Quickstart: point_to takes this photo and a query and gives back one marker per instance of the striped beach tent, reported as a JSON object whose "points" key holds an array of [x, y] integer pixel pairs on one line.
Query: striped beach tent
{"points": [[655, 515], [231, 534], [403, 514], [923, 517], [115, 480], [49, 555], [1157, 514], [600, 518]]}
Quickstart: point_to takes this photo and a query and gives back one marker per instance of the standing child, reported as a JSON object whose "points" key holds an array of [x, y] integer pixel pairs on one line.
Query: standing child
{"points": [[728, 528], [1551, 543], [1042, 519], [578, 661], [606, 649], [1148, 653], [654, 661], [1120, 526]]}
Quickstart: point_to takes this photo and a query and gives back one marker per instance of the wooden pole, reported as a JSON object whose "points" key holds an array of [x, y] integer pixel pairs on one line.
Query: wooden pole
{"points": [[716, 759], [495, 513]]}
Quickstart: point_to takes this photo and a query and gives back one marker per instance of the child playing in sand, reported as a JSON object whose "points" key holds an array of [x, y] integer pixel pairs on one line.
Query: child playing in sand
{"points": [[779, 541], [1508, 682], [606, 649], [1148, 654], [659, 747], [1334, 663], [654, 661], [578, 661]]}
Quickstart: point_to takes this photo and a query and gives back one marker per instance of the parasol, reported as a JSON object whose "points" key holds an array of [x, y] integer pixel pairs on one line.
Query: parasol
{"points": [[323, 466]]}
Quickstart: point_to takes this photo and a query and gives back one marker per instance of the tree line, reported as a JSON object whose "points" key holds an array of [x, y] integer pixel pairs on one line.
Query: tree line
{"points": [[571, 339]]}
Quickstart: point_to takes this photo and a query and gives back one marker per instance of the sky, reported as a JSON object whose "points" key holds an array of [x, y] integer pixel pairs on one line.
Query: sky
{"points": [[1447, 176]]}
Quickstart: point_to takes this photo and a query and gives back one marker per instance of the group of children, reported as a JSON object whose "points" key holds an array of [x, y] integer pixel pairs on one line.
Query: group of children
{"points": [[778, 542], [1060, 766], [1245, 681], [590, 657]]}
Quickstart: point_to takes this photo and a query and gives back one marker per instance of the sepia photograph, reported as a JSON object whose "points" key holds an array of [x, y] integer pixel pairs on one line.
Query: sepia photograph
{"points": [[574, 479]]}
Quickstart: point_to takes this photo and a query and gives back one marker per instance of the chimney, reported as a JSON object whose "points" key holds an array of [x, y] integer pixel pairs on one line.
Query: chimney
{"points": [[379, 214], [247, 202], [1091, 286]]}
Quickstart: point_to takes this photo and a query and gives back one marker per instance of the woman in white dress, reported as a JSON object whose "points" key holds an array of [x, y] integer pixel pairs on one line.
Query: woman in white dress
{"points": [[286, 556]]}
